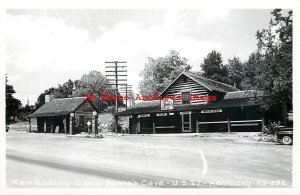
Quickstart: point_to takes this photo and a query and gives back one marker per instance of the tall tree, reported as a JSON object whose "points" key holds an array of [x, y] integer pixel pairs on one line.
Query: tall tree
{"points": [[235, 72], [213, 68], [252, 71], [66, 90], [96, 83], [275, 43], [159, 72], [12, 104]]}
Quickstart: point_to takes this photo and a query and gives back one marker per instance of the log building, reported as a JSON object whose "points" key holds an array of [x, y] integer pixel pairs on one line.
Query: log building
{"points": [[232, 110]]}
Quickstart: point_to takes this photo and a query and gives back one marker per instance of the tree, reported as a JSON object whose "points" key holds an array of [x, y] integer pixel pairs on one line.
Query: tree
{"points": [[96, 83], [252, 72], [213, 68], [93, 83], [13, 105], [275, 44], [61, 91], [66, 90], [26, 110], [235, 72], [159, 72]]}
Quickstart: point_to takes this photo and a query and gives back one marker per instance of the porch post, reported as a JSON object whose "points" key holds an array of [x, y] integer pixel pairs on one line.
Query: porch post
{"points": [[197, 122], [45, 126], [65, 124], [153, 120], [137, 125], [228, 122], [71, 124], [29, 124], [116, 126], [94, 123]]}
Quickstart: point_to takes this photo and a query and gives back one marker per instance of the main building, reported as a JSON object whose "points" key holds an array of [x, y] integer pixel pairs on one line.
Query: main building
{"points": [[232, 110]]}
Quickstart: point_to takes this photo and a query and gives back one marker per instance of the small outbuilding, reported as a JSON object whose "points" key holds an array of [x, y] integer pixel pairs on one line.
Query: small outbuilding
{"points": [[66, 115]]}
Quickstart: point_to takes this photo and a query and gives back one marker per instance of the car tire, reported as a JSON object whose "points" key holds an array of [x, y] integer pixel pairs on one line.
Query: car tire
{"points": [[287, 140]]}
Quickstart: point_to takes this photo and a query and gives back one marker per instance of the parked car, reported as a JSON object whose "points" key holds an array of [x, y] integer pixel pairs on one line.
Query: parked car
{"points": [[285, 135]]}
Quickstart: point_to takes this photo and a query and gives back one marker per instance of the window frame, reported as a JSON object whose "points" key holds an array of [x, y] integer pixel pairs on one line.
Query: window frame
{"points": [[186, 91]]}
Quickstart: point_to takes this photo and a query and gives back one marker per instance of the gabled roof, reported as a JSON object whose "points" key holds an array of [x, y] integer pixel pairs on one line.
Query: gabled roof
{"points": [[62, 106], [207, 83]]}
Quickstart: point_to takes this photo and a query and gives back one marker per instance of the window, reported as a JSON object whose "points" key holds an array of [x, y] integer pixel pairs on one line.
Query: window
{"points": [[185, 96]]}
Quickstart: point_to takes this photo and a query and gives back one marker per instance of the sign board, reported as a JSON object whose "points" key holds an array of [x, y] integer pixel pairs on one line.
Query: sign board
{"points": [[171, 113], [211, 111], [144, 115], [161, 114], [167, 104], [186, 112], [126, 116]]}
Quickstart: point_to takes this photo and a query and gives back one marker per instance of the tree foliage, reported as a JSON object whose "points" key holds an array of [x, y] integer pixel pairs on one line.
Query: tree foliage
{"points": [[275, 44], [235, 72], [159, 72], [92, 83], [61, 91], [13, 105], [66, 90], [252, 72], [96, 83], [213, 68]]}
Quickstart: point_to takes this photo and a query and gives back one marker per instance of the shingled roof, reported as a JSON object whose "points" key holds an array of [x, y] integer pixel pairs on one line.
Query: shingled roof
{"points": [[62, 106], [243, 94], [211, 84], [207, 83]]}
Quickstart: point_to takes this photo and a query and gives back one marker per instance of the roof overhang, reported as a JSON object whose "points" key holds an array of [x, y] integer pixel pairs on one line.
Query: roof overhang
{"points": [[191, 107]]}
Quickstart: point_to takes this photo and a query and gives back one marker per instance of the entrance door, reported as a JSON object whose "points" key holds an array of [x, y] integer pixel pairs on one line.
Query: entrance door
{"points": [[186, 118], [81, 122]]}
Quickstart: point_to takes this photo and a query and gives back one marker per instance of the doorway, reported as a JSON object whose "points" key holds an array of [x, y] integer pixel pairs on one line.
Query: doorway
{"points": [[186, 118]]}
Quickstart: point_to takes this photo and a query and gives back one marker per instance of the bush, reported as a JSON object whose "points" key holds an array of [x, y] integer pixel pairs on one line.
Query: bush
{"points": [[113, 126], [271, 128], [105, 128]]}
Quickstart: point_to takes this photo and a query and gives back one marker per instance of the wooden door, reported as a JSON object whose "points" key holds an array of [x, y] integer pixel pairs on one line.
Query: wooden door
{"points": [[186, 118]]}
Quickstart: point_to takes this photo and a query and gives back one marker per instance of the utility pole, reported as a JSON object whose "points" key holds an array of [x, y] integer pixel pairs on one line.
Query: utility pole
{"points": [[114, 71], [127, 89]]}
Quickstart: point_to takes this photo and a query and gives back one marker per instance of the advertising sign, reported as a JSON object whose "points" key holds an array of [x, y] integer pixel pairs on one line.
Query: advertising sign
{"points": [[166, 104]]}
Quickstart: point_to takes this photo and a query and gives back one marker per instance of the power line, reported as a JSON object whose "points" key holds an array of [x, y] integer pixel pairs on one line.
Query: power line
{"points": [[116, 69]]}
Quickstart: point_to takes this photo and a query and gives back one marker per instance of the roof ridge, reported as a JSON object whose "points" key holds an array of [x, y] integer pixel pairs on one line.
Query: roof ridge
{"points": [[243, 90]]}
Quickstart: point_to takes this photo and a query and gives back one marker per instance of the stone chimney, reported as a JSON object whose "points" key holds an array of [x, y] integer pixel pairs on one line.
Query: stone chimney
{"points": [[49, 97]]}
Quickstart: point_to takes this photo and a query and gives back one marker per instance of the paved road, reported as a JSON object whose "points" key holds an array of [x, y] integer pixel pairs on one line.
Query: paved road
{"points": [[49, 160]]}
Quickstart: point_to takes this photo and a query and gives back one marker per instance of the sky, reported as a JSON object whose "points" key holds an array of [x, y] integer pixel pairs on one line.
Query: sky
{"points": [[45, 48]]}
